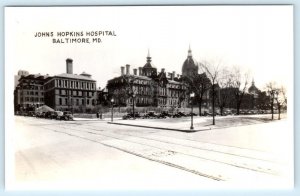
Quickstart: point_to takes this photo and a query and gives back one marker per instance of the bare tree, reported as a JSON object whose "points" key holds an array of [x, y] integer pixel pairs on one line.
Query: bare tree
{"points": [[224, 83], [131, 89], [120, 96], [280, 97], [271, 90], [128, 89], [211, 68], [239, 84], [199, 84]]}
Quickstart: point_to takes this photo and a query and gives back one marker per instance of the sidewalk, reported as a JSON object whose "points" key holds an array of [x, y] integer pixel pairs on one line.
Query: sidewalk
{"points": [[199, 123], [94, 119]]}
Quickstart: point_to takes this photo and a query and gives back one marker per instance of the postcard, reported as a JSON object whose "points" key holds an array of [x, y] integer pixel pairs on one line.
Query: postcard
{"points": [[149, 97]]}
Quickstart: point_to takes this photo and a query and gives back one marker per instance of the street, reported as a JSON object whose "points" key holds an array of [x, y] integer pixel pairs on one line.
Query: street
{"points": [[98, 155]]}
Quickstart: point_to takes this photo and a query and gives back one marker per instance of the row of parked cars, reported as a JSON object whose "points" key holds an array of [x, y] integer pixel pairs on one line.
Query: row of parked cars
{"points": [[58, 115], [154, 115]]}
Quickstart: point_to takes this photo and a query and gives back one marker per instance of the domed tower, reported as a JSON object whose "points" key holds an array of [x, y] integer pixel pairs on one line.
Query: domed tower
{"points": [[253, 89], [189, 66], [149, 69]]}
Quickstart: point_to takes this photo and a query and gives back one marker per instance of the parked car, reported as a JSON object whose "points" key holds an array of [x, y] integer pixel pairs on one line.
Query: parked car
{"points": [[192, 113], [49, 114], [67, 116], [40, 114], [179, 115], [164, 114], [31, 113], [130, 115], [150, 114], [59, 115], [207, 113]]}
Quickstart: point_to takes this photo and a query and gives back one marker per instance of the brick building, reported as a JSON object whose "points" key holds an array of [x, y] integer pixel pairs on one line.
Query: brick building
{"points": [[147, 87], [71, 92], [29, 93]]}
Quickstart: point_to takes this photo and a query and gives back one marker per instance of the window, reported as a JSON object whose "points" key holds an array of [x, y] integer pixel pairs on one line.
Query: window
{"points": [[66, 101], [59, 82], [66, 83], [82, 101], [41, 99], [88, 102], [60, 101], [77, 101], [36, 93]]}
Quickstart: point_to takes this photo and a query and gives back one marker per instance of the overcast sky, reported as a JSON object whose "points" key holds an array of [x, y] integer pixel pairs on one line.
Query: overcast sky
{"points": [[259, 39]]}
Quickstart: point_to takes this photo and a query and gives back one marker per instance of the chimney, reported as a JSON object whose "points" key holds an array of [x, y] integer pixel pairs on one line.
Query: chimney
{"points": [[122, 70], [173, 75], [140, 71], [135, 72], [127, 69], [69, 66]]}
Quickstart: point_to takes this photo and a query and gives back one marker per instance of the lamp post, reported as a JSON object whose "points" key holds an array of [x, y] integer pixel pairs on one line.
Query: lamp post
{"points": [[112, 109], [272, 92], [192, 95], [133, 97], [278, 104]]}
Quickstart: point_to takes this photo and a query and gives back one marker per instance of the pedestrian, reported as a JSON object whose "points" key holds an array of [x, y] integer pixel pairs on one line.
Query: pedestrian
{"points": [[97, 114]]}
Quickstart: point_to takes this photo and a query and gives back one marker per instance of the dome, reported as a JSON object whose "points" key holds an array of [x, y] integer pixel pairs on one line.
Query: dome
{"points": [[189, 66], [149, 65], [149, 69], [253, 89]]}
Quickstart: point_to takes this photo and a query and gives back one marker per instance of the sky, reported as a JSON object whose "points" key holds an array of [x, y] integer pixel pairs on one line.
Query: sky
{"points": [[258, 39]]}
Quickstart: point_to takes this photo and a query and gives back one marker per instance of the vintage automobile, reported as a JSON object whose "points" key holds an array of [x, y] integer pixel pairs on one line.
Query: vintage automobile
{"points": [[49, 114], [179, 115], [150, 114], [164, 114], [130, 115], [58, 115], [67, 116]]}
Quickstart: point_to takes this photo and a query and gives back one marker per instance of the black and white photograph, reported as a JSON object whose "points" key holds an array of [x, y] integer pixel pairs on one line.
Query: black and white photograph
{"points": [[149, 97]]}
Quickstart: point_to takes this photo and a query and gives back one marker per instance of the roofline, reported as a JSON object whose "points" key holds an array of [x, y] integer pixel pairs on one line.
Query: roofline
{"points": [[74, 78]]}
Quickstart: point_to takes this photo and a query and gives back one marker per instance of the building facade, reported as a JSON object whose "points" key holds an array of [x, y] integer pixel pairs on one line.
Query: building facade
{"points": [[147, 87], [29, 93], [71, 92]]}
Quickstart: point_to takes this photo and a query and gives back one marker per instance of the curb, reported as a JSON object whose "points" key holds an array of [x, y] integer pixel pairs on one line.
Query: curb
{"points": [[162, 128]]}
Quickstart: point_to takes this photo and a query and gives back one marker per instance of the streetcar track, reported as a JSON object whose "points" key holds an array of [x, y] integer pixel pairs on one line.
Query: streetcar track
{"points": [[222, 162], [205, 142], [190, 146], [141, 156]]}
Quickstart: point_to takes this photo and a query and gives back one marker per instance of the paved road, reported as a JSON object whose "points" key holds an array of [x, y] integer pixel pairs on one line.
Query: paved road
{"points": [[108, 155]]}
